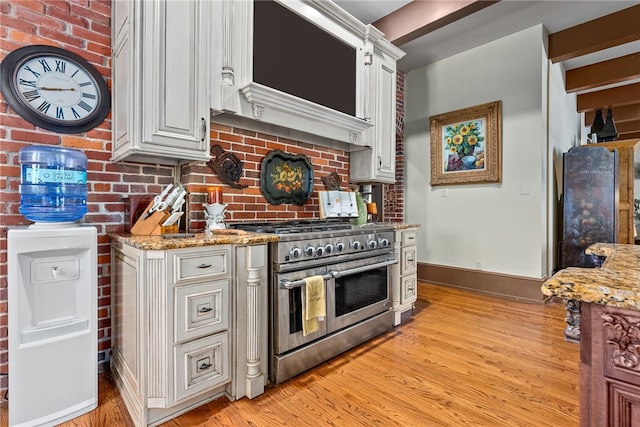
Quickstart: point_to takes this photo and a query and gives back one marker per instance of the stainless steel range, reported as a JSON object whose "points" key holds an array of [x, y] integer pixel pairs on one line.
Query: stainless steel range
{"points": [[354, 262]]}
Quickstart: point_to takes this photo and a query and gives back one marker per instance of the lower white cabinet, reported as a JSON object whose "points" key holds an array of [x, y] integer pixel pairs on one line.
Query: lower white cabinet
{"points": [[405, 274], [179, 339]]}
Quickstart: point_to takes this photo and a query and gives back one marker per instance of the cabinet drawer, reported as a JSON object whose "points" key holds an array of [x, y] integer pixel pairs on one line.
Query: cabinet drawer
{"points": [[201, 309], [408, 238], [409, 289], [201, 365], [409, 262], [200, 264]]}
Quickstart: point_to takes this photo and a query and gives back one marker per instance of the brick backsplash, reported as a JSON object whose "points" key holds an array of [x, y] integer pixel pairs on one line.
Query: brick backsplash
{"points": [[248, 203], [83, 26]]}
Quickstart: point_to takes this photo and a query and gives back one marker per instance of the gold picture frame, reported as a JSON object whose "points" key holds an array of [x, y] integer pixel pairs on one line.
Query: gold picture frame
{"points": [[466, 145]]}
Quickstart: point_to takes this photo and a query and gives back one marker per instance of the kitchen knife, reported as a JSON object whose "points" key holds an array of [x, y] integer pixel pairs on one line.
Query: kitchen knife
{"points": [[172, 219]]}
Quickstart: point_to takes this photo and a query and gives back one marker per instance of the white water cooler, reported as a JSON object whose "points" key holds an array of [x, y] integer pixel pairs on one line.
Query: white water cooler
{"points": [[52, 279]]}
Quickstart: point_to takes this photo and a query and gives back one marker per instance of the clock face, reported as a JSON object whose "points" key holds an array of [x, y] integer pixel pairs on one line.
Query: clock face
{"points": [[54, 89]]}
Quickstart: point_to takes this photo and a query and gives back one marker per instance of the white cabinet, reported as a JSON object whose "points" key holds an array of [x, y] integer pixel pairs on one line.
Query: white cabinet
{"points": [[378, 163], [160, 81], [188, 327], [405, 274]]}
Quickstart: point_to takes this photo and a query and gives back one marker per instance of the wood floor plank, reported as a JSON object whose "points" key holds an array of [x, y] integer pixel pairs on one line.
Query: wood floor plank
{"points": [[465, 359]]}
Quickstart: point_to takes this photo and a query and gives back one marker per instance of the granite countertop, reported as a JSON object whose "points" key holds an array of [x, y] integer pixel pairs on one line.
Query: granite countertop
{"points": [[218, 237], [616, 283], [403, 226]]}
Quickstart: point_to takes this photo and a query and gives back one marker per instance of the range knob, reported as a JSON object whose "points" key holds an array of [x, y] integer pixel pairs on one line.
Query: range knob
{"points": [[295, 252], [355, 245], [319, 250], [384, 243], [372, 244], [309, 250], [328, 248], [339, 246]]}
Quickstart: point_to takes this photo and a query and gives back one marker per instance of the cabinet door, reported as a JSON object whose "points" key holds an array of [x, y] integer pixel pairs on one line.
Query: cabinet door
{"points": [[378, 164], [624, 403], [175, 61], [385, 118], [160, 81]]}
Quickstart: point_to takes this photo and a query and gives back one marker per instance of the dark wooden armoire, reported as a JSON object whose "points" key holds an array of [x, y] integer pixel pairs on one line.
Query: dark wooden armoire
{"points": [[590, 203]]}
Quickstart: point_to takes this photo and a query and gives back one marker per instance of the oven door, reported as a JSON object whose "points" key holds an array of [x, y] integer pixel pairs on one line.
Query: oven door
{"points": [[286, 310], [358, 290]]}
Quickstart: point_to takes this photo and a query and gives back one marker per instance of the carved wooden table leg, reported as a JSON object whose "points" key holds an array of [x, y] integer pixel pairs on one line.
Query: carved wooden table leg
{"points": [[572, 331]]}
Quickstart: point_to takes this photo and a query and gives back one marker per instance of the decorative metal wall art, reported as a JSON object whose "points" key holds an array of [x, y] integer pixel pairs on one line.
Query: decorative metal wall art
{"points": [[286, 178], [331, 182], [227, 165]]}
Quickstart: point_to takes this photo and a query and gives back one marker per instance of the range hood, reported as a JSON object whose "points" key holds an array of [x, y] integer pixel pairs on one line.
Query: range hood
{"points": [[239, 99]]}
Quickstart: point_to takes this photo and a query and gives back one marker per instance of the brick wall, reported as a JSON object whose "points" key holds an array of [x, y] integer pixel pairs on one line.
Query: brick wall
{"points": [[83, 26], [248, 204], [394, 193]]}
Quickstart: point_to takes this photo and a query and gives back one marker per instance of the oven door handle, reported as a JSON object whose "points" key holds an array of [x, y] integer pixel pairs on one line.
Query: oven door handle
{"points": [[290, 284], [356, 270]]}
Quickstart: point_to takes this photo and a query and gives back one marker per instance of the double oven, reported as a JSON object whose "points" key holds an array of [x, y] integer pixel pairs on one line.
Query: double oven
{"points": [[354, 263]]}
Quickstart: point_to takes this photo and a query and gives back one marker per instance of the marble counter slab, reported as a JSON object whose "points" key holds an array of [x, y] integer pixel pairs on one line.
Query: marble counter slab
{"points": [[220, 237], [616, 283]]}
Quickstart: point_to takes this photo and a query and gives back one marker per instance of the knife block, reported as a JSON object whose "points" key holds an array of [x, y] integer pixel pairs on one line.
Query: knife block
{"points": [[150, 226]]}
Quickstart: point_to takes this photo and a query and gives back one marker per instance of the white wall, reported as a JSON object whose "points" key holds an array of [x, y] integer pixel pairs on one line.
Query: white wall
{"points": [[495, 227]]}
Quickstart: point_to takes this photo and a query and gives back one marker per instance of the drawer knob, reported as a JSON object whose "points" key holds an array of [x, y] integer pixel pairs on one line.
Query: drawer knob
{"points": [[204, 266], [204, 309], [204, 366]]}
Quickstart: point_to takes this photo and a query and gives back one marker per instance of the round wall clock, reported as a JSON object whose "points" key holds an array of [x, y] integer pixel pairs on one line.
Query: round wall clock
{"points": [[54, 89]]}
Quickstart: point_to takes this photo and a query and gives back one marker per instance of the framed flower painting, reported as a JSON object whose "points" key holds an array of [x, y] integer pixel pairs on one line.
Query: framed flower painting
{"points": [[466, 145]]}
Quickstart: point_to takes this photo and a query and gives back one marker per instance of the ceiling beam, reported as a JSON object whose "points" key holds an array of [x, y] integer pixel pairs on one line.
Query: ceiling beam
{"points": [[631, 135], [418, 18], [603, 73], [606, 98], [621, 114], [627, 127], [601, 33]]}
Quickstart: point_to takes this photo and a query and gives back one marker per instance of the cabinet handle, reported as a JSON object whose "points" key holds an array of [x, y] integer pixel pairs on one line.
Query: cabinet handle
{"points": [[204, 266], [203, 132], [379, 162], [204, 366], [205, 309]]}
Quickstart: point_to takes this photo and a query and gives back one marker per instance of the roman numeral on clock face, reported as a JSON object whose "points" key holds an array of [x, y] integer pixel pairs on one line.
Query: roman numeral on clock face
{"points": [[85, 106], [45, 65], [59, 113], [31, 83], [36, 74], [60, 66], [44, 107], [30, 95]]}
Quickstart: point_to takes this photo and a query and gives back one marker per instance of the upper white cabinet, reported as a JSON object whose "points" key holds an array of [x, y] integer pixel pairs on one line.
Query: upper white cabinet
{"points": [[378, 162], [299, 66], [160, 80]]}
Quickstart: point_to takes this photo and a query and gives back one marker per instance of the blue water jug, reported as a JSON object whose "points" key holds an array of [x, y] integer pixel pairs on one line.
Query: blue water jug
{"points": [[53, 184]]}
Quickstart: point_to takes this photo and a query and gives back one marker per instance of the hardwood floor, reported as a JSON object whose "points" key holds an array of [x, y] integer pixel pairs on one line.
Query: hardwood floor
{"points": [[465, 359]]}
